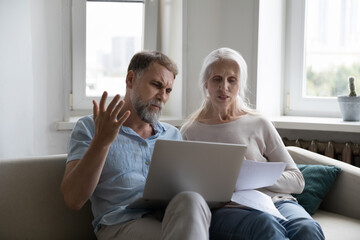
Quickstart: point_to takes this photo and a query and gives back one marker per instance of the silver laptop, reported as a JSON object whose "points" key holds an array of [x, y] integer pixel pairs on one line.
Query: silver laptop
{"points": [[210, 169]]}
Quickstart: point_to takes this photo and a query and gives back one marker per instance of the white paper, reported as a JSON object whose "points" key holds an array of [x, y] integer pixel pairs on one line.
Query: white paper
{"points": [[254, 175], [256, 200]]}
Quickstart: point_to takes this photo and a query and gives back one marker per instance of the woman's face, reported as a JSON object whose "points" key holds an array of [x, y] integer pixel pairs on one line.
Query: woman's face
{"points": [[223, 85]]}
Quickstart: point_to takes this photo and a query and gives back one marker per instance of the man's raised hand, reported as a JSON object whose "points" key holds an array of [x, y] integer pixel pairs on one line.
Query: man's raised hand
{"points": [[107, 123]]}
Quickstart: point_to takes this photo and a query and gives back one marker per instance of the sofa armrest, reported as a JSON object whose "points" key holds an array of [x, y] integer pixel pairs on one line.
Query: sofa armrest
{"points": [[343, 197], [31, 204]]}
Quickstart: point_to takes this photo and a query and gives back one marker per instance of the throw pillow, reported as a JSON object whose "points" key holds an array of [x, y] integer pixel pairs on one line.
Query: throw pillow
{"points": [[318, 181]]}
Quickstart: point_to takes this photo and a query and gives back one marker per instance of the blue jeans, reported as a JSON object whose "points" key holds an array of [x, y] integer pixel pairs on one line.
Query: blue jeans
{"points": [[238, 223]]}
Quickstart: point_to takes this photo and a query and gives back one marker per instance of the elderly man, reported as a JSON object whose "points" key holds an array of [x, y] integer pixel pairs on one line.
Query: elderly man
{"points": [[109, 156]]}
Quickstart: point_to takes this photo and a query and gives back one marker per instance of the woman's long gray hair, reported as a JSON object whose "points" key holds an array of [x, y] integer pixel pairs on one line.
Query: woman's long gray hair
{"points": [[215, 56]]}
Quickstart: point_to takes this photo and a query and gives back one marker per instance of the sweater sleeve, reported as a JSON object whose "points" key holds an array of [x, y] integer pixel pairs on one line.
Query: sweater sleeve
{"points": [[292, 180]]}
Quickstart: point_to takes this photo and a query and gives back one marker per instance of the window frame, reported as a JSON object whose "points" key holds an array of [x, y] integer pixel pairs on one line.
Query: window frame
{"points": [[295, 104], [78, 101]]}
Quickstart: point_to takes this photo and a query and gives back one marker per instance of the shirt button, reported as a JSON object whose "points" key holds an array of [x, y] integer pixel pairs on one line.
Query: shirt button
{"points": [[146, 162]]}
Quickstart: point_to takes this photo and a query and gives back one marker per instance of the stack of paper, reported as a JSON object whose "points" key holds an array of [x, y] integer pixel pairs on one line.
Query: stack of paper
{"points": [[254, 175]]}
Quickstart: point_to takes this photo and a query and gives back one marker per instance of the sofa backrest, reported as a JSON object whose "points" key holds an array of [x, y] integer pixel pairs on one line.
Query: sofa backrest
{"points": [[32, 206], [343, 197]]}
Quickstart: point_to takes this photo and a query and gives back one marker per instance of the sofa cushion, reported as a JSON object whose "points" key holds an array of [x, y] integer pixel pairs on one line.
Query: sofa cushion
{"points": [[318, 181], [336, 226]]}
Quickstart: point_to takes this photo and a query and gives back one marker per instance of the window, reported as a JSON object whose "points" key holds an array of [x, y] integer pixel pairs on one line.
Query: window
{"points": [[322, 50], [110, 43], [106, 34]]}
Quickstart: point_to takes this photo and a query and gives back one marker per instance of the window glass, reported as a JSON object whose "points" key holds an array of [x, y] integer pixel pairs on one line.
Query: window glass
{"points": [[332, 46], [114, 32]]}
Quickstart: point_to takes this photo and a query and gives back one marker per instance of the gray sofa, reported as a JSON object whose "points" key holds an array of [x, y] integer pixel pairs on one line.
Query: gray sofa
{"points": [[31, 205], [339, 213]]}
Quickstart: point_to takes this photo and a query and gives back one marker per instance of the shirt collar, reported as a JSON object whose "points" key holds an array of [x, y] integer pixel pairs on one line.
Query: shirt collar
{"points": [[158, 128]]}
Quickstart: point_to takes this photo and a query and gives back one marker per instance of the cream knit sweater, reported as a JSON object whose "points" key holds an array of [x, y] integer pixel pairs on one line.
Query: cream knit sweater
{"points": [[263, 145]]}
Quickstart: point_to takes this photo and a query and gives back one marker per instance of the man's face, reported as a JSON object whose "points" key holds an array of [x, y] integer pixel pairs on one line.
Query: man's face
{"points": [[151, 91]]}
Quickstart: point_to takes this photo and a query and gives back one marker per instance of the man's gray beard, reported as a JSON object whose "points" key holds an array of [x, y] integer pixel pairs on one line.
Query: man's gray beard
{"points": [[142, 109]]}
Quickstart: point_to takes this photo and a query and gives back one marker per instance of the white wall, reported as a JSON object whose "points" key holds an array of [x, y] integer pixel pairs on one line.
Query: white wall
{"points": [[16, 79], [212, 24], [171, 36], [31, 90], [271, 46]]}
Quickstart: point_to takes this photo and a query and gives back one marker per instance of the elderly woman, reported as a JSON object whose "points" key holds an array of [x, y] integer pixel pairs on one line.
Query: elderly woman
{"points": [[225, 117]]}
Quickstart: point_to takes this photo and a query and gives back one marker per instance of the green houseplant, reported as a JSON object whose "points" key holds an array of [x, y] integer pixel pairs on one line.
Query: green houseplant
{"points": [[350, 105]]}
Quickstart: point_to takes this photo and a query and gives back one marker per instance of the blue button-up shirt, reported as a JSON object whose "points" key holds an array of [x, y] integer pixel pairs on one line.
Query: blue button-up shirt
{"points": [[124, 174]]}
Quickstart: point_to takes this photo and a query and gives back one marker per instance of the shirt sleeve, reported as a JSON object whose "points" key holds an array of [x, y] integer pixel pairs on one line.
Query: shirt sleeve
{"points": [[80, 138]]}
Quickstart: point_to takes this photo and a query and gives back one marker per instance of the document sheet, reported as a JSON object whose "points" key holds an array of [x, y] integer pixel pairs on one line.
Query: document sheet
{"points": [[254, 175]]}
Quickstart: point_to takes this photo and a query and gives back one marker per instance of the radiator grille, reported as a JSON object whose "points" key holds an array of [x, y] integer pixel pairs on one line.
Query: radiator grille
{"points": [[347, 152]]}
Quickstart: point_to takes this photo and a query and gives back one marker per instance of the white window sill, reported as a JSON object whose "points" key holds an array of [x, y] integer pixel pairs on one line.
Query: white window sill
{"points": [[282, 122], [69, 125], [315, 123]]}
